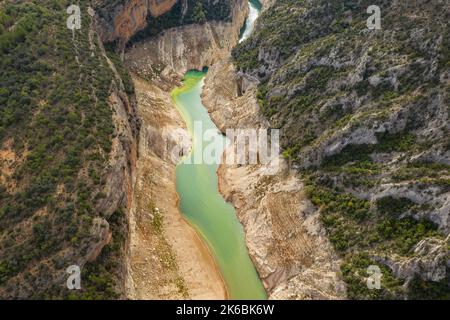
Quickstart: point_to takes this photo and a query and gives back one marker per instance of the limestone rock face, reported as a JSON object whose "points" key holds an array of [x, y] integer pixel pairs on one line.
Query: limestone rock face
{"points": [[123, 20], [284, 235], [365, 115], [430, 260]]}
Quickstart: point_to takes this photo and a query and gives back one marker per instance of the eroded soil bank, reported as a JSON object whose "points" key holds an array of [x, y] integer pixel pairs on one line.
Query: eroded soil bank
{"points": [[285, 238], [168, 259]]}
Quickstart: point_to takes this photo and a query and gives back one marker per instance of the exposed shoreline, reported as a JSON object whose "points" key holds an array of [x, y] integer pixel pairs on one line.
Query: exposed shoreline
{"points": [[192, 265]]}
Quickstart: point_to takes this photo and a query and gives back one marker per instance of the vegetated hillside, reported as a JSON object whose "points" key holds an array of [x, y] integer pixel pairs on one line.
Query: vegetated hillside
{"points": [[58, 148], [365, 117]]}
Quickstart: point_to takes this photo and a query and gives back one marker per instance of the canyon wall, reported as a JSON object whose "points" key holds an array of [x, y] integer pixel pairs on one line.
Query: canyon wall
{"points": [[167, 259], [187, 47], [121, 20], [83, 220], [284, 235], [364, 116]]}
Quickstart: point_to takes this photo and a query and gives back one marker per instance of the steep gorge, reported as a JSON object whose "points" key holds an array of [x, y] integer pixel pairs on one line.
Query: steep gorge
{"points": [[289, 247], [283, 231], [70, 200]]}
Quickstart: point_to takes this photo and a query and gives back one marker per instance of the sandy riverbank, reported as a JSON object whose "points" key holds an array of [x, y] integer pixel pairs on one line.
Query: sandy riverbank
{"points": [[168, 259]]}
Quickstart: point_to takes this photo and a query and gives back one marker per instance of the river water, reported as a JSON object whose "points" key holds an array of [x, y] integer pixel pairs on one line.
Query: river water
{"points": [[200, 200], [247, 29]]}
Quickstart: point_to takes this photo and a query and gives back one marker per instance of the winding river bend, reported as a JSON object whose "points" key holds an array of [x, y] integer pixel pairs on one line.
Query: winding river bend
{"points": [[200, 201]]}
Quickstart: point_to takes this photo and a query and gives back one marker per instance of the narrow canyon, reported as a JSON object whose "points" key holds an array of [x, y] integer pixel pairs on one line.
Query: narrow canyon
{"points": [[168, 259]]}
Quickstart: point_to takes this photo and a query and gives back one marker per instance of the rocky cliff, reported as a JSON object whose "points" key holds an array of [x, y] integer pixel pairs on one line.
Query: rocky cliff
{"points": [[67, 192], [168, 260], [120, 20], [364, 117], [66, 184]]}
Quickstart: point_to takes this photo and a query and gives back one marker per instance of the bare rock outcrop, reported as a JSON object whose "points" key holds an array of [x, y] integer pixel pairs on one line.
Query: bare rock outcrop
{"points": [[121, 21], [285, 238], [187, 47]]}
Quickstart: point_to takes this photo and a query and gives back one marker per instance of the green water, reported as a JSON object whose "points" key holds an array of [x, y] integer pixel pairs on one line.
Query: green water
{"points": [[202, 204], [255, 10]]}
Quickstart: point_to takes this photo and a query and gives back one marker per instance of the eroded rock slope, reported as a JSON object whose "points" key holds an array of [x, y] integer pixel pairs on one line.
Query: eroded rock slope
{"points": [[364, 115]]}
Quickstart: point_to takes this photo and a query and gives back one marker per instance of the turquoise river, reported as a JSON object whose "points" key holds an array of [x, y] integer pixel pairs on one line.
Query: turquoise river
{"points": [[200, 200]]}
